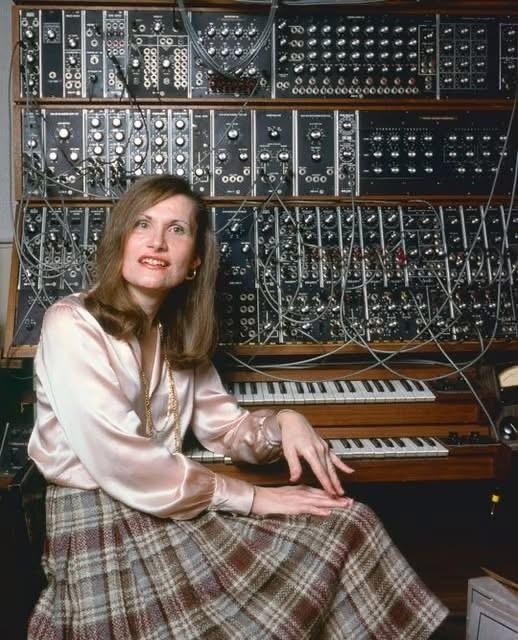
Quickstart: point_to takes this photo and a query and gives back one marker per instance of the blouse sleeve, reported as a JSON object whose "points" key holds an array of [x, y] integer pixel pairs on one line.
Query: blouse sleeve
{"points": [[224, 427], [101, 427]]}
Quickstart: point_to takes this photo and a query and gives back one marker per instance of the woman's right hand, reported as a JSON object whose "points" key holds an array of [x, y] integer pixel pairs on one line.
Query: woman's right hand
{"points": [[296, 500]]}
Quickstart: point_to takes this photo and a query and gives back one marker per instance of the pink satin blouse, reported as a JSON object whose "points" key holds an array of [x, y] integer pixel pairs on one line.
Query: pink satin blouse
{"points": [[89, 429]]}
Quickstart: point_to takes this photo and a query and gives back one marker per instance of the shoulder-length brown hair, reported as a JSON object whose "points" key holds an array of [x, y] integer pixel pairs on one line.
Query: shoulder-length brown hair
{"points": [[187, 314]]}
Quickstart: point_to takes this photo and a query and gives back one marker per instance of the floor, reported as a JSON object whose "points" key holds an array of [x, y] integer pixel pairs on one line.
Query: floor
{"points": [[453, 629]]}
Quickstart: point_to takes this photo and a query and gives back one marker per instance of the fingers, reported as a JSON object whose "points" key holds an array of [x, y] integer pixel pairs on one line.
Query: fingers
{"points": [[331, 470], [296, 500], [293, 464], [324, 463], [317, 502], [320, 468], [341, 465]]}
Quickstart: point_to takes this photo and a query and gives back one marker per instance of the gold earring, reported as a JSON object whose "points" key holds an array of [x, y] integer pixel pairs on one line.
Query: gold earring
{"points": [[191, 275]]}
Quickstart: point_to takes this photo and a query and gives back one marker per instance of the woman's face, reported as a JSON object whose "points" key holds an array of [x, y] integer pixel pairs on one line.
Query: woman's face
{"points": [[160, 249]]}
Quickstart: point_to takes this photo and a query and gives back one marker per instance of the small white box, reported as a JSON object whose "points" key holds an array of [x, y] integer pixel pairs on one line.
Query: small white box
{"points": [[492, 611]]}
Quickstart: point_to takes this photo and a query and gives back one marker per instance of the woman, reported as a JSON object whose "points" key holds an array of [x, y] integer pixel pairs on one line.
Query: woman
{"points": [[144, 543]]}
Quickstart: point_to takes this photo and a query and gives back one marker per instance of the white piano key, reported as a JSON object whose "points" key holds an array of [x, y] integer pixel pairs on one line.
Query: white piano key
{"points": [[405, 395], [380, 450], [319, 393], [347, 450], [338, 448], [310, 391], [422, 448], [420, 391], [248, 396], [403, 447], [296, 396], [256, 391], [387, 394], [278, 397], [423, 390], [268, 392], [390, 447], [366, 450], [361, 392], [285, 390], [438, 448], [351, 392], [332, 392], [200, 454], [412, 447]]}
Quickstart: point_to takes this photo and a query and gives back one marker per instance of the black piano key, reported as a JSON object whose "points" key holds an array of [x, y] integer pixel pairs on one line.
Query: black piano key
{"points": [[406, 385], [429, 441], [417, 441], [242, 388], [390, 386], [419, 385], [311, 387], [358, 443], [376, 442], [282, 385], [321, 387], [338, 386], [388, 442], [254, 387], [368, 386], [346, 443], [350, 386], [378, 386], [299, 387], [399, 442], [270, 387]]}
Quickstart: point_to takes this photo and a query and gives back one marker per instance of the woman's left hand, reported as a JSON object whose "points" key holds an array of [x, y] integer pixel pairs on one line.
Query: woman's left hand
{"points": [[299, 440]]}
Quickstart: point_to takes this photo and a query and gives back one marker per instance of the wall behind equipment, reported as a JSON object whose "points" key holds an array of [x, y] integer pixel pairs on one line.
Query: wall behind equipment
{"points": [[6, 227]]}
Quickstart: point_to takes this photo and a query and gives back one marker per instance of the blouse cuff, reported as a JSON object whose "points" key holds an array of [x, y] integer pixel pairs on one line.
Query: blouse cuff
{"points": [[231, 494]]}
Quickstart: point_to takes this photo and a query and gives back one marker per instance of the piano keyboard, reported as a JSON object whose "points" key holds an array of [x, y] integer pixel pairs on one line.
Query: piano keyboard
{"points": [[387, 447], [330, 391], [415, 447]]}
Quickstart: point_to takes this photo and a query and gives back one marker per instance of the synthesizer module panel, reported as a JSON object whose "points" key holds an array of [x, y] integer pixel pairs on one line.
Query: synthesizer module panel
{"points": [[360, 161]]}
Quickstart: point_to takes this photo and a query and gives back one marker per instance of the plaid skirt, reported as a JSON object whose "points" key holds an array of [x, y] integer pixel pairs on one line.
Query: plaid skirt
{"points": [[117, 574]]}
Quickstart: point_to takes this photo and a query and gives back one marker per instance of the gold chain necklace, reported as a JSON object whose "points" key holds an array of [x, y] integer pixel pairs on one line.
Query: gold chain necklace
{"points": [[172, 402]]}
